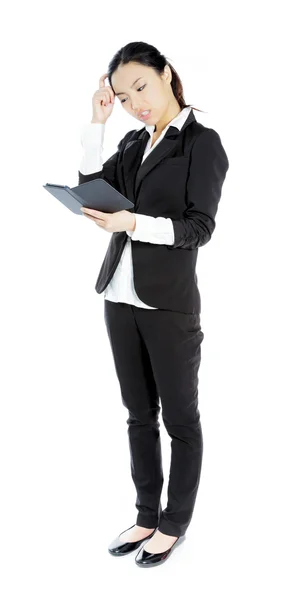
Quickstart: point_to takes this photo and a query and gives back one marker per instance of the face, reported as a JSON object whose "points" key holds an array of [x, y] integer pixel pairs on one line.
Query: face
{"points": [[140, 88]]}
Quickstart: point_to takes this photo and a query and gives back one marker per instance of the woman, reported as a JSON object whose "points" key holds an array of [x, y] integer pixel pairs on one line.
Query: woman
{"points": [[173, 170]]}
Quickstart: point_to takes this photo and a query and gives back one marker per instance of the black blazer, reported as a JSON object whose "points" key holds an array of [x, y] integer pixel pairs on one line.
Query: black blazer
{"points": [[182, 179]]}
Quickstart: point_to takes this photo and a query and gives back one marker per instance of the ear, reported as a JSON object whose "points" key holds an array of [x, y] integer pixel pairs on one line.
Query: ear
{"points": [[167, 74]]}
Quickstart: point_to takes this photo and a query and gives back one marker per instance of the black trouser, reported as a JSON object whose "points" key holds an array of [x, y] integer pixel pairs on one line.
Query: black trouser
{"points": [[157, 353]]}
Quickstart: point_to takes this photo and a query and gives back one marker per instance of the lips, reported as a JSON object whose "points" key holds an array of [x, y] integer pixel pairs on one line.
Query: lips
{"points": [[140, 113]]}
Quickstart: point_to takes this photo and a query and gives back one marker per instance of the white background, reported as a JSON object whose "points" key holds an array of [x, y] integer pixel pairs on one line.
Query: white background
{"points": [[66, 488]]}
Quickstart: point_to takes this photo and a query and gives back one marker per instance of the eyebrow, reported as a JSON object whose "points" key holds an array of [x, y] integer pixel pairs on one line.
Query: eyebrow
{"points": [[119, 93]]}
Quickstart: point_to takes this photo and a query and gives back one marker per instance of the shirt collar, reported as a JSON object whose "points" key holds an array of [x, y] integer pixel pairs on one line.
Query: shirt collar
{"points": [[178, 121]]}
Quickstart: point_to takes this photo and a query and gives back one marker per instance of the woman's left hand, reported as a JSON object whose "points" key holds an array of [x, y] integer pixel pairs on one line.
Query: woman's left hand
{"points": [[122, 220]]}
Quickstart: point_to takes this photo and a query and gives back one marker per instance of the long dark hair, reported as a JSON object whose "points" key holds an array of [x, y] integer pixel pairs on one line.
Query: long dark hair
{"points": [[149, 56]]}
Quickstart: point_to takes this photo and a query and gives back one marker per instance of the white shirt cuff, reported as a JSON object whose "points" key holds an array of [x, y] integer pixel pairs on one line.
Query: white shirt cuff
{"points": [[92, 136], [156, 230]]}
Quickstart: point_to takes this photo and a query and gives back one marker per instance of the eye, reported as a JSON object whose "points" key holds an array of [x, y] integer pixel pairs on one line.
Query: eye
{"points": [[141, 88]]}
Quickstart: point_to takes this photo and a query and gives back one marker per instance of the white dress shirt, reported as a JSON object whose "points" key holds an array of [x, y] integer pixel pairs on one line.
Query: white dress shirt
{"points": [[155, 230]]}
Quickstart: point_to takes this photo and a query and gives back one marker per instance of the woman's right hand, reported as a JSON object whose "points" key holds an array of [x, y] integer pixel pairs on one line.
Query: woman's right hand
{"points": [[102, 101]]}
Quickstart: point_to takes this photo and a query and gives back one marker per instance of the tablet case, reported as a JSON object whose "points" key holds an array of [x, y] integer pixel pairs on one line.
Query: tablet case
{"points": [[96, 194]]}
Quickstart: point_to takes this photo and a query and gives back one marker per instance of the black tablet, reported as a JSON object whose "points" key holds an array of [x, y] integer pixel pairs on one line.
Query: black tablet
{"points": [[96, 194]]}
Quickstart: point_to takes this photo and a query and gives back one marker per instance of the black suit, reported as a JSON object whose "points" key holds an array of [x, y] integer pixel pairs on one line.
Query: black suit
{"points": [[182, 179], [157, 352]]}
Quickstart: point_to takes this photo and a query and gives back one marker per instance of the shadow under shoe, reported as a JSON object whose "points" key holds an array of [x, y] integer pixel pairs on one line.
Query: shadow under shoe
{"points": [[120, 548]]}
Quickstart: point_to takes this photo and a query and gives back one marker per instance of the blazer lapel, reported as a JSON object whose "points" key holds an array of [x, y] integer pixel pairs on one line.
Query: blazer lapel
{"points": [[133, 169]]}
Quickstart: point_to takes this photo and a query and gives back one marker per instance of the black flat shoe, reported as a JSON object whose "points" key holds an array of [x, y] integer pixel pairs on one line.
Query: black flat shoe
{"points": [[149, 559], [120, 548]]}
